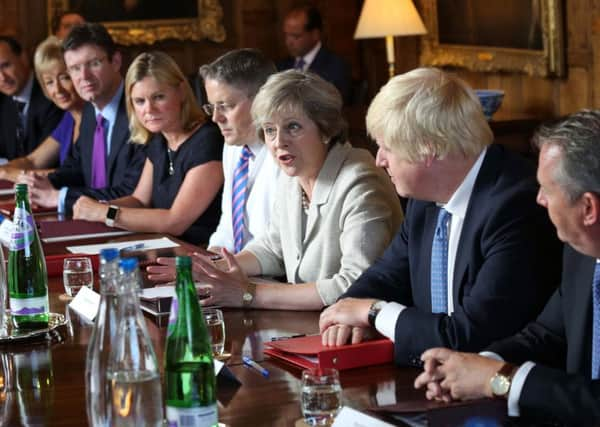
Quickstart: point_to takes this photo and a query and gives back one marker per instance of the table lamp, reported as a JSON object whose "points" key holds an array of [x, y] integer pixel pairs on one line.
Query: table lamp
{"points": [[389, 18]]}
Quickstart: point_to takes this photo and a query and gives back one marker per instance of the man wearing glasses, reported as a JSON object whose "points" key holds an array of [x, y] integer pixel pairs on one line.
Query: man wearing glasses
{"points": [[231, 82], [102, 164]]}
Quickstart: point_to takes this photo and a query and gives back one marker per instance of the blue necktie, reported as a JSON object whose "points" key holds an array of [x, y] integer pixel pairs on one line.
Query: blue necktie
{"points": [[239, 192], [439, 264], [596, 324], [300, 63]]}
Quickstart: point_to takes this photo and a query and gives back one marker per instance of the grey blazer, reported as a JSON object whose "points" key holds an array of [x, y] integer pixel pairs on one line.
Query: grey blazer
{"points": [[353, 215]]}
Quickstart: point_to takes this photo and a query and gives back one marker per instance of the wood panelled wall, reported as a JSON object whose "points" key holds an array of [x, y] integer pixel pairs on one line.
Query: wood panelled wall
{"points": [[257, 23]]}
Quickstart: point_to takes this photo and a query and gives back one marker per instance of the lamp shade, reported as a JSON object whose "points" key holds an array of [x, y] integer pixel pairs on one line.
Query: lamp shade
{"points": [[380, 18]]}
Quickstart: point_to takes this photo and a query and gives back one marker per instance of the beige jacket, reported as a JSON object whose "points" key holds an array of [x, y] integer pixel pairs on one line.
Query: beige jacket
{"points": [[353, 215]]}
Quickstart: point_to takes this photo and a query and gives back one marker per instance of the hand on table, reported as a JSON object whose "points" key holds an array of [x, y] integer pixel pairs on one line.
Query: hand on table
{"points": [[89, 209], [452, 375], [41, 191]]}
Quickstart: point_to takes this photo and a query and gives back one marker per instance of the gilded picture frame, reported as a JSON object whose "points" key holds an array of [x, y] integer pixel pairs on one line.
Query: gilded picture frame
{"points": [[207, 24], [547, 61]]}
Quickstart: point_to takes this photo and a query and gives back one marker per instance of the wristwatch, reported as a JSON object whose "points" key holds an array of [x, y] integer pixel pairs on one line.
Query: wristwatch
{"points": [[248, 295], [501, 381], [111, 215], [374, 311]]}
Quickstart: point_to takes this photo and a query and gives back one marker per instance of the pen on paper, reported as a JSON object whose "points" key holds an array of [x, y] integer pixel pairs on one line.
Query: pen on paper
{"points": [[133, 247], [252, 364], [287, 337]]}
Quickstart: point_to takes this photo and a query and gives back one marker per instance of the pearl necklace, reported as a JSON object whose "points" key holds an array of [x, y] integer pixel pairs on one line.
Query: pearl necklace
{"points": [[305, 201]]}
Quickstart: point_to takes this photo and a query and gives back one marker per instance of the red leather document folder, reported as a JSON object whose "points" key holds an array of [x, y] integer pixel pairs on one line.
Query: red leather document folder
{"points": [[73, 229], [308, 352], [8, 208]]}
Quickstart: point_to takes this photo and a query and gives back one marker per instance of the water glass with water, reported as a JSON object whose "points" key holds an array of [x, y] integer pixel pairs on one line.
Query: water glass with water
{"points": [[216, 328], [321, 396], [77, 273]]}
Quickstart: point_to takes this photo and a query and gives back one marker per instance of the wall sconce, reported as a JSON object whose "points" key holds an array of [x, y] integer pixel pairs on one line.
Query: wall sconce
{"points": [[389, 18]]}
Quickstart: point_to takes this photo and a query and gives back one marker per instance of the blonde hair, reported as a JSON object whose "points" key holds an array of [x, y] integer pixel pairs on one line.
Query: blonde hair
{"points": [[48, 54], [427, 112], [294, 90], [163, 69]]}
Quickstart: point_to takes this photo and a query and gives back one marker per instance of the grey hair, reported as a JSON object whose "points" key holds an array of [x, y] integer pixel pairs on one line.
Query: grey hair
{"points": [[578, 137]]}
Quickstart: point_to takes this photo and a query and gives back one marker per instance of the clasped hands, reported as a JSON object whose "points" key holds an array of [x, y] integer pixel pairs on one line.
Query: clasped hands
{"points": [[41, 191], [225, 280]]}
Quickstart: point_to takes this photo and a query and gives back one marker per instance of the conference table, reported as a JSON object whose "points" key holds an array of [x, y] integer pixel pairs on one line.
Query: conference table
{"points": [[42, 384]]}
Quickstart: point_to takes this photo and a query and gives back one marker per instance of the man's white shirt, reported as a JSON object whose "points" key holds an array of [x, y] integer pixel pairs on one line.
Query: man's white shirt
{"points": [[262, 183]]}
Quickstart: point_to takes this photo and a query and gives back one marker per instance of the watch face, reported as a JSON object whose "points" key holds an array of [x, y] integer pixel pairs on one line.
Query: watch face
{"points": [[500, 385]]}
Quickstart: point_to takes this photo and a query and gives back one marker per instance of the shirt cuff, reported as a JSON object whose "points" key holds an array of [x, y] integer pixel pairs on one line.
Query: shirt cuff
{"points": [[62, 195], [386, 319], [491, 355], [516, 386]]}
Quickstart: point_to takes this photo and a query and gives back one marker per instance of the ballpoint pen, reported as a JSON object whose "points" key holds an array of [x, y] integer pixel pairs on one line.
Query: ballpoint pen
{"points": [[133, 247], [252, 364]]}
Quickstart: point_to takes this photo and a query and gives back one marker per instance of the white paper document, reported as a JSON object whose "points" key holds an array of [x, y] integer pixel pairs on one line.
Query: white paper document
{"points": [[141, 245], [349, 417]]}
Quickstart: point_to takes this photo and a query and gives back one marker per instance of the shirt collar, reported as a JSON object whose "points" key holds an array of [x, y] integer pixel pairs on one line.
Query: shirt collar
{"points": [[109, 112], [458, 203], [25, 94], [310, 56]]}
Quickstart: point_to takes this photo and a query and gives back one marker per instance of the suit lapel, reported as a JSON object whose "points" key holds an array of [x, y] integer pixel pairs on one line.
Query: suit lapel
{"points": [[295, 212], [118, 138], [327, 176]]}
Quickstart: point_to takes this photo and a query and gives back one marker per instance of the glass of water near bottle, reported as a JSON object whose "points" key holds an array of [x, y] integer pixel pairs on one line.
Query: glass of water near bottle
{"points": [[321, 396]]}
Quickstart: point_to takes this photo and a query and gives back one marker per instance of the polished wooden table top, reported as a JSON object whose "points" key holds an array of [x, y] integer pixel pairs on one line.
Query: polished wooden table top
{"points": [[54, 394]]}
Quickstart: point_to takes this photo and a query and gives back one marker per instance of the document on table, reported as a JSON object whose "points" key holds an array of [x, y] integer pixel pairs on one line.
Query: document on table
{"points": [[142, 245]]}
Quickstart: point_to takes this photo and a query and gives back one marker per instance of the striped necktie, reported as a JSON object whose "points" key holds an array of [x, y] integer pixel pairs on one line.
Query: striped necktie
{"points": [[439, 264], [239, 193], [596, 324], [99, 155]]}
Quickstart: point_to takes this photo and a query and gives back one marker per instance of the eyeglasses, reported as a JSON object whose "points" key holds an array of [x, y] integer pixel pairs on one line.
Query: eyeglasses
{"points": [[93, 64], [220, 107]]}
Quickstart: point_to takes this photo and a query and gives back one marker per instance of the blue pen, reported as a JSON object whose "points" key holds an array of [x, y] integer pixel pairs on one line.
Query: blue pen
{"points": [[133, 247], [252, 364]]}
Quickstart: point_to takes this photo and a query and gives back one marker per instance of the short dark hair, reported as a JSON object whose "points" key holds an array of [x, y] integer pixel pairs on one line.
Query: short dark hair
{"points": [[245, 69], [90, 33], [13, 44], [314, 21], [59, 16]]}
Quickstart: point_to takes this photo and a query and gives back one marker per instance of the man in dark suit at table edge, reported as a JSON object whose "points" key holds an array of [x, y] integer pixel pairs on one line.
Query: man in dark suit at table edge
{"points": [[302, 28], [94, 63], [475, 258], [559, 353], [18, 86]]}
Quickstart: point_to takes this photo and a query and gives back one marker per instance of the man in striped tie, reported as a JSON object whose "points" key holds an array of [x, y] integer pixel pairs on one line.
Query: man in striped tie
{"points": [[231, 82], [551, 370]]}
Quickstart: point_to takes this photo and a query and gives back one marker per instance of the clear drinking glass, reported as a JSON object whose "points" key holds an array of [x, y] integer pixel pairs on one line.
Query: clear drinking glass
{"points": [[216, 328], [77, 273], [321, 396]]}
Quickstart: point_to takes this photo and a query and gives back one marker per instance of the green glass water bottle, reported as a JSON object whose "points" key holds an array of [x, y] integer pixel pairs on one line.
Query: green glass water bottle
{"points": [[27, 278], [191, 395]]}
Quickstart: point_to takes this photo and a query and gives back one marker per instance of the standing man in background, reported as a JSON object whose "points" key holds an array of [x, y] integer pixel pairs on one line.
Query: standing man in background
{"points": [[303, 28], [27, 117]]}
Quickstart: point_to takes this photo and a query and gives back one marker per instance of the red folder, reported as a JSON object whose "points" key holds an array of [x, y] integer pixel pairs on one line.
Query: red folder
{"points": [[349, 356], [76, 228], [8, 208]]}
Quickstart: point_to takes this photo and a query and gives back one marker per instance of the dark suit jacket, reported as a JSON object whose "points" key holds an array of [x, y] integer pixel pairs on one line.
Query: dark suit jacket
{"points": [[124, 164], [330, 67], [507, 264], [560, 339], [42, 118]]}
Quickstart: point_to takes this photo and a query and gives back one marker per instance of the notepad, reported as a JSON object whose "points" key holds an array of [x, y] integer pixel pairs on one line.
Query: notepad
{"points": [[149, 244]]}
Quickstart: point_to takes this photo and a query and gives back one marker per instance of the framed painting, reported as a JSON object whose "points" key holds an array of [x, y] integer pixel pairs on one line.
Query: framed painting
{"points": [[495, 35], [133, 22]]}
